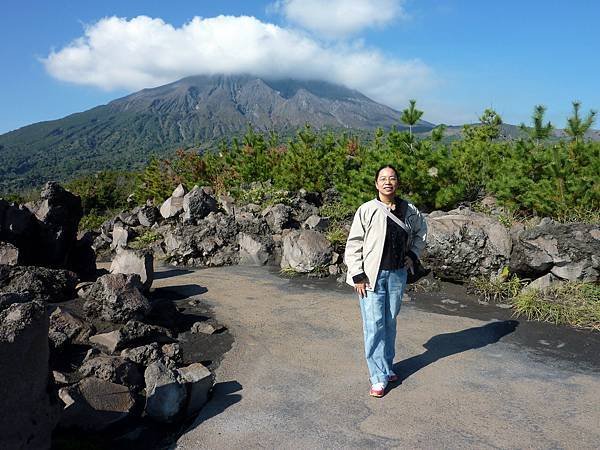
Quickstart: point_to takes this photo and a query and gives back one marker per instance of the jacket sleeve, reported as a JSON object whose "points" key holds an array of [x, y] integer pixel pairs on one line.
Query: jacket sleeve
{"points": [[419, 233], [353, 255]]}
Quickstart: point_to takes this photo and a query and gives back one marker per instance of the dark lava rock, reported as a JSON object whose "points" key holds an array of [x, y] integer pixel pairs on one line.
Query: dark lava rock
{"points": [[94, 404], [50, 285], [116, 298], [29, 414], [568, 251], [116, 369]]}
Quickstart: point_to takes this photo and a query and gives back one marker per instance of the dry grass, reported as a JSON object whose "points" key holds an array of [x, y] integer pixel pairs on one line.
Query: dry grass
{"points": [[497, 290], [571, 303]]}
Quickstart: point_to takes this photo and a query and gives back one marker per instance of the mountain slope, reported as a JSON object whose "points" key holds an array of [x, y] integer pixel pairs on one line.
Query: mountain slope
{"points": [[188, 113]]}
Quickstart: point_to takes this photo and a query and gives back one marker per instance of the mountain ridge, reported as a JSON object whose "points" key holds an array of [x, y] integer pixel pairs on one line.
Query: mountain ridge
{"points": [[190, 113]]}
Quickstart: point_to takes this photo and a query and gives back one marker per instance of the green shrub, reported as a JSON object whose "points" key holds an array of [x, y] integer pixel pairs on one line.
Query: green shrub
{"points": [[103, 191], [145, 240], [93, 220]]}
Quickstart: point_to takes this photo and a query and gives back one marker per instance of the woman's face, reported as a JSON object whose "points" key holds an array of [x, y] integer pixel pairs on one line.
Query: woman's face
{"points": [[387, 182]]}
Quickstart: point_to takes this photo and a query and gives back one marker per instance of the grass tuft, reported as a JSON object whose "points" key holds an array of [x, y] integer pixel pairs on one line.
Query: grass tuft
{"points": [[571, 303], [497, 290]]}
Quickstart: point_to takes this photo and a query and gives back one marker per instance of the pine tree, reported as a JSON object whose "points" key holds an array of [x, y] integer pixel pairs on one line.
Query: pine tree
{"points": [[576, 127], [539, 131], [488, 130], [437, 134], [411, 116]]}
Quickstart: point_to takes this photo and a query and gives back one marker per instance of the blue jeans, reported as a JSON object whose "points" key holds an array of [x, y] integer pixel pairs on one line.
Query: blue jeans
{"points": [[379, 310]]}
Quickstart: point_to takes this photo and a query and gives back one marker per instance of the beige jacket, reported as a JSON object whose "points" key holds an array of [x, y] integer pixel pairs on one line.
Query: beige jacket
{"points": [[367, 235]]}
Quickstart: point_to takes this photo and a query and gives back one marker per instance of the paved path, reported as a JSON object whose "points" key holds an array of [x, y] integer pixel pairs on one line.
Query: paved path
{"points": [[295, 377]]}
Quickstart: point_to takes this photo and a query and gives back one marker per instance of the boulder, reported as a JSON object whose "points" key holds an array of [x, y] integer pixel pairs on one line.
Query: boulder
{"points": [[29, 414], [302, 210], [75, 329], [173, 206], [59, 378], [19, 227], [115, 369], [197, 204], [58, 212], [49, 285], [305, 251], [9, 254], [82, 257], [94, 404], [213, 242], [144, 354], [253, 251], [227, 204], [315, 222], [462, 244], [542, 283], [198, 382], [173, 352], [279, 217], [165, 395], [148, 215], [116, 298], [9, 298], [140, 262], [209, 326], [132, 334], [568, 251], [120, 236], [129, 217]]}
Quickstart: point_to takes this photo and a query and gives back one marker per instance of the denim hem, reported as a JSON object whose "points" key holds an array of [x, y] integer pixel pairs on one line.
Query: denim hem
{"points": [[383, 380]]}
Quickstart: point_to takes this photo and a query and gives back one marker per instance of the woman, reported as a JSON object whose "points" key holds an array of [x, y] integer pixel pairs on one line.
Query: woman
{"points": [[379, 251]]}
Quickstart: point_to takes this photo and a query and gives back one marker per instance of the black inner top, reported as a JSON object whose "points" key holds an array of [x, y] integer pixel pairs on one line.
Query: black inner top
{"points": [[394, 247]]}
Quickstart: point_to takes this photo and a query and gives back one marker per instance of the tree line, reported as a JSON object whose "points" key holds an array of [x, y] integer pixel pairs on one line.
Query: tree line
{"points": [[530, 175]]}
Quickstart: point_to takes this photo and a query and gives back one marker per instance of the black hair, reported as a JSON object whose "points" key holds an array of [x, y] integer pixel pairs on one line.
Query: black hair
{"points": [[387, 166]]}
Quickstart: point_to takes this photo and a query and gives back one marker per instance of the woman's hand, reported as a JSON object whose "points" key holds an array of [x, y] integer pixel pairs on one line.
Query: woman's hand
{"points": [[361, 289], [408, 263]]}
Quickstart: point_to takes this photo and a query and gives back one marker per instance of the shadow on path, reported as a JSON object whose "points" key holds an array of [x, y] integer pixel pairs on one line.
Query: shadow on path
{"points": [[447, 344], [178, 292], [223, 396], [170, 273]]}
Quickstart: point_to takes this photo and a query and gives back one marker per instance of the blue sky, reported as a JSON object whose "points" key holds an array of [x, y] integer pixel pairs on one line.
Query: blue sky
{"points": [[455, 57]]}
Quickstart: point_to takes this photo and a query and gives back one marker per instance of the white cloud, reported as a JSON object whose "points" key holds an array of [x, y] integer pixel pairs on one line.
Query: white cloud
{"points": [[338, 18], [145, 52]]}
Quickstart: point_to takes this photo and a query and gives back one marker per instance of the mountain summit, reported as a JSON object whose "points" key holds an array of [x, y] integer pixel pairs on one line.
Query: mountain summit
{"points": [[188, 113], [214, 106]]}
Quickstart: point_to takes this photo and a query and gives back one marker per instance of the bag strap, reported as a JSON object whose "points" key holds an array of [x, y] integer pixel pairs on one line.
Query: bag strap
{"points": [[392, 216]]}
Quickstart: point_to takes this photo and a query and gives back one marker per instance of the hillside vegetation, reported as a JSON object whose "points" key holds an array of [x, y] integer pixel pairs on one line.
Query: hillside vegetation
{"points": [[529, 176]]}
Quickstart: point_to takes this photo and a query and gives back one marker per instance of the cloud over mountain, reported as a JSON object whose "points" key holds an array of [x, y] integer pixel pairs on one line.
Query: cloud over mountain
{"points": [[338, 18], [145, 52]]}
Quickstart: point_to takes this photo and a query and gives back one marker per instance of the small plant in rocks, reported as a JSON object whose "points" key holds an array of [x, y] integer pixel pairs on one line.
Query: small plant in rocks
{"points": [[289, 272], [262, 194], [337, 236], [145, 240], [499, 289]]}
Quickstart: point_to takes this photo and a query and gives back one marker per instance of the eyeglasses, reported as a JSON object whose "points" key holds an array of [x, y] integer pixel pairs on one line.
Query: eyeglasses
{"points": [[383, 179]]}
